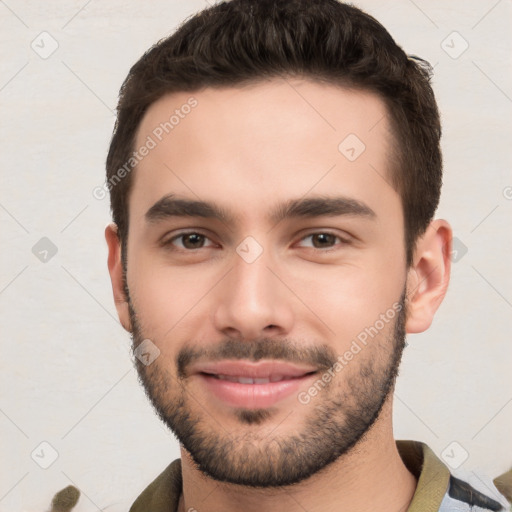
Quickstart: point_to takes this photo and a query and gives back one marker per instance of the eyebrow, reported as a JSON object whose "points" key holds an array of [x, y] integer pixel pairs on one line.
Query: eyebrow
{"points": [[318, 206]]}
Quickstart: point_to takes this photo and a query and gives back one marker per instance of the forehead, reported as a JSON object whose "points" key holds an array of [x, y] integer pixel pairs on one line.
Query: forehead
{"points": [[245, 145]]}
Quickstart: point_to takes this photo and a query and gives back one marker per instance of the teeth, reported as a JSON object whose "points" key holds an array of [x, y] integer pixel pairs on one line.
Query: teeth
{"points": [[245, 380], [227, 377], [250, 380]]}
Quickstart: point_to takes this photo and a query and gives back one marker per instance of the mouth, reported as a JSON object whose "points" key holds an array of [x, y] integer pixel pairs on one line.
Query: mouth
{"points": [[248, 385], [250, 380]]}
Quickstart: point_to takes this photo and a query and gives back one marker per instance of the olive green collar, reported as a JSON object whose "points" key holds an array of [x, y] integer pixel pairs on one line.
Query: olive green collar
{"points": [[163, 494], [432, 475]]}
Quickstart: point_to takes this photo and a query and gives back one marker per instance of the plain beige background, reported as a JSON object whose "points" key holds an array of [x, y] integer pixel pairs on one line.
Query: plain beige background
{"points": [[66, 375]]}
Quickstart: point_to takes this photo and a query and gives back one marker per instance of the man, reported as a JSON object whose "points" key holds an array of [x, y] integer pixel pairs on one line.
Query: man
{"points": [[274, 173]]}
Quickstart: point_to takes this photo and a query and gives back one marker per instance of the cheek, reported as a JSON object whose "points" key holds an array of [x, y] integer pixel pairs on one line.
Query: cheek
{"points": [[349, 299], [169, 301]]}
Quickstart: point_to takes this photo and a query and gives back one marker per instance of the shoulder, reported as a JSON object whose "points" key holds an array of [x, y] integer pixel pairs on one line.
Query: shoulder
{"points": [[441, 491], [163, 493], [461, 496]]}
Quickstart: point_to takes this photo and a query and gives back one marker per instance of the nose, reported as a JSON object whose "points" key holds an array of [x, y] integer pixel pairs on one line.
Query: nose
{"points": [[252, 302]]}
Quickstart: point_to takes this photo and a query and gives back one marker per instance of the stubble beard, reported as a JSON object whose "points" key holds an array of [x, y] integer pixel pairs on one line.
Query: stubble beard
{"points": [[336, 421]]}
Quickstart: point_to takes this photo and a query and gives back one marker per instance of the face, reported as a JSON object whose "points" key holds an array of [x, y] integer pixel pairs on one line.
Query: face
{"points": [[266, 263]]}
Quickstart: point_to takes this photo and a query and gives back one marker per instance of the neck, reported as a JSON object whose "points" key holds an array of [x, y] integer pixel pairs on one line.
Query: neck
{"points": [[371, 476]]}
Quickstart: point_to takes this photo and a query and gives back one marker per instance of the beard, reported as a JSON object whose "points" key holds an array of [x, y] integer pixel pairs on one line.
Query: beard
{"points": [[336, 419]]}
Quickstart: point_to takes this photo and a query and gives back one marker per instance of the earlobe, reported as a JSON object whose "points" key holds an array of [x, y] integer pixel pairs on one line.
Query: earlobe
{"points": [[115, 268], [428, 276]]}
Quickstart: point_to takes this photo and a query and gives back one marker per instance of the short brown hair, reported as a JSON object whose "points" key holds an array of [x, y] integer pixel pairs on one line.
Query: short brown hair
{"points": [[244, 41]]}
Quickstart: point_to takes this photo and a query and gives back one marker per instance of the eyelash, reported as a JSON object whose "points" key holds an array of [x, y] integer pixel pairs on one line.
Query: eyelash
{"points": [[170, 242]]}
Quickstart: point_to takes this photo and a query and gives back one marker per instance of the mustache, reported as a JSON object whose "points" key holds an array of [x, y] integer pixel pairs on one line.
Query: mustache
{"points": [[321, 356]]}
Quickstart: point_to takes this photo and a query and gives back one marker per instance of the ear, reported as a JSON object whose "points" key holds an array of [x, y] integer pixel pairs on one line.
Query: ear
{"points": [[115, 268], [428, 276]]}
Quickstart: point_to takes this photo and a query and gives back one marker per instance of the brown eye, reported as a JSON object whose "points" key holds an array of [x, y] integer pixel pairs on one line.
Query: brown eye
{"points": [[322, 240], [193, 241], [190, 241]]}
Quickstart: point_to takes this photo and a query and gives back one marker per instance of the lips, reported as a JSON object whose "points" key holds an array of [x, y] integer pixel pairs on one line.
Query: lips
{"points": [[252, 385], [273, 370], [250, 380]]}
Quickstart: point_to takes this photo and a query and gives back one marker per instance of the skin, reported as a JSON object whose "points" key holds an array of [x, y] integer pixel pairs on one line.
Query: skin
{"points": [[248, 149]]}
